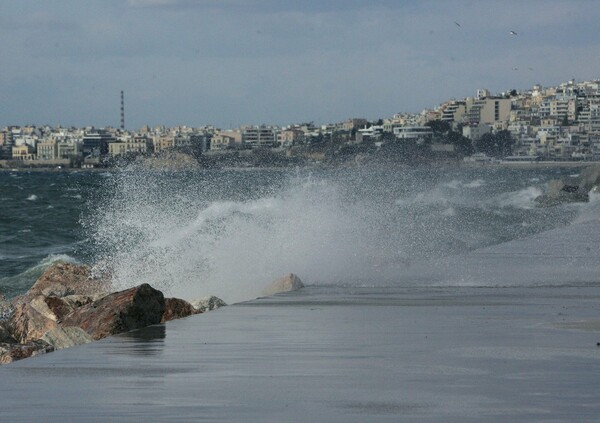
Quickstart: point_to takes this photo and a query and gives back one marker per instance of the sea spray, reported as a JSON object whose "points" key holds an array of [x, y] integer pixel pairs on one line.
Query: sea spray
{"points": [[230, 233]]}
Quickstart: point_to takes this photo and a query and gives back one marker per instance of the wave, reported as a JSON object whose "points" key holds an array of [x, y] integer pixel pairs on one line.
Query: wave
{"points": [[230, 233], [32, 197], [522, 199], [17, 284]]}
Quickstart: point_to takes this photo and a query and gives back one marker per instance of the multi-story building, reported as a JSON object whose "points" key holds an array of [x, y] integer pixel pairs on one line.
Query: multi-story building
{"points": [[220, 142], [136, 145], [47, 150], [489, 110], [259, 137], [68, 150], [414, 133], [454, 111], [6, 145], [355, 123], [23, 152], [95, 143], [289, 137]]}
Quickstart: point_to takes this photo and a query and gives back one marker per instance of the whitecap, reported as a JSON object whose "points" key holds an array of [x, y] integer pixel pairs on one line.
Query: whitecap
{"points": [[474, 184], [32, 197], [522, 199]]}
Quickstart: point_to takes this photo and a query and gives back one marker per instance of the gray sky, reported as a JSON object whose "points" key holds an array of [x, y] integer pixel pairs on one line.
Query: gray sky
{"points": [[232, 62]]}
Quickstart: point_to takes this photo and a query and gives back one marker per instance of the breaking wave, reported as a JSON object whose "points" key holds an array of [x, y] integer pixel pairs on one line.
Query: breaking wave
{"points": [[229, 233]]}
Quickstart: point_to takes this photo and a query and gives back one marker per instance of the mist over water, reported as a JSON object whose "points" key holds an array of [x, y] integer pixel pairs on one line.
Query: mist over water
{"points": [[229, 233]]}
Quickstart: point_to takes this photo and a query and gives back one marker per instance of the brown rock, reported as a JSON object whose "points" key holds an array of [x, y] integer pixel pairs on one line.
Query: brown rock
{"points": [[14, 352], [62, 279], [119, 312], [176, 308], [27, 323]]}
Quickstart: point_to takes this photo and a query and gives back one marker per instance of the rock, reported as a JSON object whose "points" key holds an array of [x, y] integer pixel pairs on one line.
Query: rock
{"points": [[287, 283], [14, 352], [5, 336], [56, 290], [118, 312], [6, 308], [66, 337], [176, 308], [207, 303], [75, 301], [27, 323], [62, 279]]}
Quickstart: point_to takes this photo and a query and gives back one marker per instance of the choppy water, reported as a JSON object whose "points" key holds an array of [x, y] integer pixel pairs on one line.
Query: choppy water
{"points": [[230, 232]]}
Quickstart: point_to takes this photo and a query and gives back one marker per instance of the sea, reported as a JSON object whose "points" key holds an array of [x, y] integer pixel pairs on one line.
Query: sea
{"points": [[432, 294], [229, 232]]}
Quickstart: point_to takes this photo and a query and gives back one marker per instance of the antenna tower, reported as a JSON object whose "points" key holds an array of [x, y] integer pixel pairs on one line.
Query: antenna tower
{"points": [[122, 110]]}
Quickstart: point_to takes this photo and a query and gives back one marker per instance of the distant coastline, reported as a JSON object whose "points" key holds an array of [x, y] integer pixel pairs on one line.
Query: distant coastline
{"points": [[349, 165]]}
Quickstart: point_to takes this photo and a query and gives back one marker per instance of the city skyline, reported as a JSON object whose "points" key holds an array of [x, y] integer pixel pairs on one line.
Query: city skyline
{"points": [[231, 62]]}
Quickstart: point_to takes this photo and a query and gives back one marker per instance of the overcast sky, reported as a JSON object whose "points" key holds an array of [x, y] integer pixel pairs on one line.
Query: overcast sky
{"points": [[232, 62]]}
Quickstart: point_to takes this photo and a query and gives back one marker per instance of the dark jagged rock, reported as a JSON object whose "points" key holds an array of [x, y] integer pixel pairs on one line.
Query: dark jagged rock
{"points": [[122, 311], [176, 308], [5, 336], [12, 352]]}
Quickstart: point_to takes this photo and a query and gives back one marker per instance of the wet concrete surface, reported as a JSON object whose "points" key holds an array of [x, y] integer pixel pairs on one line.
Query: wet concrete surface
{"points": [[332, 354]]}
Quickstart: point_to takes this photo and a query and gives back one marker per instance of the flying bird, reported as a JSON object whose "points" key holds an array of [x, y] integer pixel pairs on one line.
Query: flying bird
{"points": [[513, 33]]}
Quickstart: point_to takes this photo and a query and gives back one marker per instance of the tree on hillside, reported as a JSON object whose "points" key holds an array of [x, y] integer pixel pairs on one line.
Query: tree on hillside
{"points": [[462, 145], [495, 145], [438, 126], [486, 144], [504, 143]]}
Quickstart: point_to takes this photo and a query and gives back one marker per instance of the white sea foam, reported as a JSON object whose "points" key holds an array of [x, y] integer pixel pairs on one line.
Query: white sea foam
{"points": [[32, 197], [523, 199], [456, 184]]}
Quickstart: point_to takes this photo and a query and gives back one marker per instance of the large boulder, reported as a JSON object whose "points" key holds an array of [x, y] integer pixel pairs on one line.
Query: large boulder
{"points": [[13, 352], [28, 322], [176, 308], [122, 311], [63, 279], [210, 303], [288, 283], [66, 337]]}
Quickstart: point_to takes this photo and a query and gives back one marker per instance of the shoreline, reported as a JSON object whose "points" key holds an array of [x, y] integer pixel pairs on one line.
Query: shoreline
{"points": [[458, 164]]}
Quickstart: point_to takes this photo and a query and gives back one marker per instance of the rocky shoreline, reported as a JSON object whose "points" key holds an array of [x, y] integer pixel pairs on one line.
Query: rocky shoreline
{"points": [[67, 307]]}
